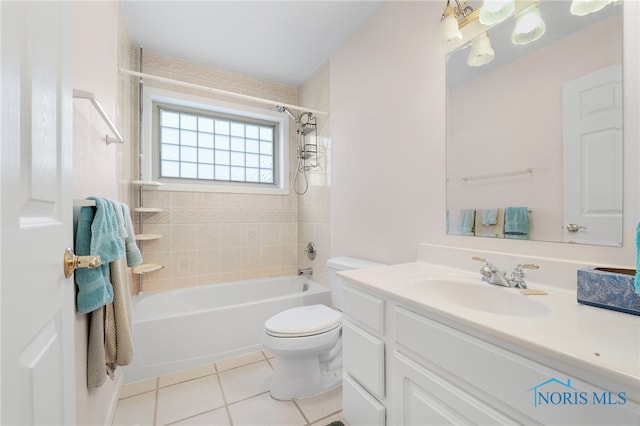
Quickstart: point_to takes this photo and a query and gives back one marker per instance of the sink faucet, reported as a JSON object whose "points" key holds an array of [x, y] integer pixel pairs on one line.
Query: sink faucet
{"points": [[492, 275]]}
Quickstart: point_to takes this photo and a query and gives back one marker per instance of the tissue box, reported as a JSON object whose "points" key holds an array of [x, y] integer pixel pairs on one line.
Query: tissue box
{"points": [[609, 288]]}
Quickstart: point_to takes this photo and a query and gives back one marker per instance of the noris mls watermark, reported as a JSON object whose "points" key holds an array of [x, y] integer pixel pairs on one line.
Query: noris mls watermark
{"points": [[554, 392]]}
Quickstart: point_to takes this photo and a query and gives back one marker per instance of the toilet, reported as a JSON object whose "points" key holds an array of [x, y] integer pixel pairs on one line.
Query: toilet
{"points": [[307, 341]]}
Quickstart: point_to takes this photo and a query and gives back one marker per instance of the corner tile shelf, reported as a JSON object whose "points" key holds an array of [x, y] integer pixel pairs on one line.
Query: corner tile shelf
{"points": [[147, 267], [148, 210], [147, 237]]}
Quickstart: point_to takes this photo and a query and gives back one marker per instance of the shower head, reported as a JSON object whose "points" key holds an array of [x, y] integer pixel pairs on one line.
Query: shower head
{"points": [[280, 108]]}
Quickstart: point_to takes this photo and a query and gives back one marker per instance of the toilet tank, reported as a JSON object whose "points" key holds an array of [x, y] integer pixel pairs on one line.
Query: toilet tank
{"points": [[343, 263]]}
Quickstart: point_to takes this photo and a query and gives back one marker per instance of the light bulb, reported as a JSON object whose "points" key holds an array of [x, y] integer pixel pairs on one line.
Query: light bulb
{"points": [[449, 35], [481, 52], [495, 11], [529, 25], [585, 7]]}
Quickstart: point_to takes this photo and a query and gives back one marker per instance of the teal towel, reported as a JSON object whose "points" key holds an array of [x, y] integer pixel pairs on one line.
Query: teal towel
{"points": [[134, 257], [447, 221], [489, 217], [94, 288], [637, 280], [516, 223], [467, 221], [117, 210], [105, 234]]}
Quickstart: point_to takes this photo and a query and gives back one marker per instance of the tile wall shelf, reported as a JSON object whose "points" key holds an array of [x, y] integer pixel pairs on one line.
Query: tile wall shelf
{"points": [[148, 210], [147, 267], [147, 237]]}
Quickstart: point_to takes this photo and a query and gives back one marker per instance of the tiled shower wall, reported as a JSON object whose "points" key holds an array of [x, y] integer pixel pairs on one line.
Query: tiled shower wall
{"points": [[314, 205], [217, 237]]}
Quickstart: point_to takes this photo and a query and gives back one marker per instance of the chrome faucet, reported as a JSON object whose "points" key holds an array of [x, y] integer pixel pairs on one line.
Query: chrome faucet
{"points": [[517, 275], [492, 275], [307, 272]]}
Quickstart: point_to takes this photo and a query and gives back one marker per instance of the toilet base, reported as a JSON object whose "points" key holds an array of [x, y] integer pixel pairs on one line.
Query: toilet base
{"points": [[295, 378]]}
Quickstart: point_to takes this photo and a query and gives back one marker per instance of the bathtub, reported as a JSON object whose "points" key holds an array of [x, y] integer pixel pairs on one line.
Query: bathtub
{"points": [[180, 329]]}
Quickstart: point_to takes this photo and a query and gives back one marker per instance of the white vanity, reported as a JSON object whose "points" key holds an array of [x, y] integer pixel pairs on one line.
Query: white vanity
{"points": [[430, 345]]}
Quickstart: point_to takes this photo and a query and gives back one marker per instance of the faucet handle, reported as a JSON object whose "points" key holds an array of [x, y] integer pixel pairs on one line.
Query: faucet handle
{"points": [[517, 275], [487, 269], [526, 266]]}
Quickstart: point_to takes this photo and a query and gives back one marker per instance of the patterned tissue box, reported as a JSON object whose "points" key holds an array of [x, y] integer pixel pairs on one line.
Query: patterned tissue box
{"points": [[609, 288]]}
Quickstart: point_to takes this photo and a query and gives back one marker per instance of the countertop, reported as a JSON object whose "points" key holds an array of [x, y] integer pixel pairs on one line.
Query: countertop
{"points": [[598, 340]]}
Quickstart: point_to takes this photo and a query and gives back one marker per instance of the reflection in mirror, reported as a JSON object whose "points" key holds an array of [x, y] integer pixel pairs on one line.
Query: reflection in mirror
{"points": [[534, 137]]}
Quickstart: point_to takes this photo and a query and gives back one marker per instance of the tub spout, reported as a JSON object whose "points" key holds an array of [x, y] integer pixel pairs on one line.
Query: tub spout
{"points": [[307, 272]]}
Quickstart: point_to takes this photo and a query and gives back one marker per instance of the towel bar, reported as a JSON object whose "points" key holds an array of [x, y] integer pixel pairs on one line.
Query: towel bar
{"points": [[528, 170], [81, 94]]}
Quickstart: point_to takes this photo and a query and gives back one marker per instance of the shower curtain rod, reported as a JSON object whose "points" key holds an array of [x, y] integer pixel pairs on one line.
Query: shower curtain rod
{"points": [[220, 91]]}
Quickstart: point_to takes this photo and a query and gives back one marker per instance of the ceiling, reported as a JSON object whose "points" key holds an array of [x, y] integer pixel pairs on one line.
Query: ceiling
{"points": [[278, 41]]}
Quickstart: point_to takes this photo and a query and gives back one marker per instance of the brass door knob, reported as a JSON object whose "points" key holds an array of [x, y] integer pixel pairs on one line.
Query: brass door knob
{"points": [[72, 262]]}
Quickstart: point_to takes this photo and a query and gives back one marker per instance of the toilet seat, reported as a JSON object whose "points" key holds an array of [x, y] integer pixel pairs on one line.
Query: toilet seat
{"points": [[303, 321]]}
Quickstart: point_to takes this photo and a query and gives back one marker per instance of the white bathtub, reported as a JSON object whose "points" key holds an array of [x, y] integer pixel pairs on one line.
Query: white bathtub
{"points": [[180, 329]]}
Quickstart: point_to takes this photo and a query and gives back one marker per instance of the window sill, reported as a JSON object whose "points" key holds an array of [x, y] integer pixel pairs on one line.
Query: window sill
{"points": [[221, 188]]}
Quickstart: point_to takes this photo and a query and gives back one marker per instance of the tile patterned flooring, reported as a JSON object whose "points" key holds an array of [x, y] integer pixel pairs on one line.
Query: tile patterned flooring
{"points": [[230, 392]]}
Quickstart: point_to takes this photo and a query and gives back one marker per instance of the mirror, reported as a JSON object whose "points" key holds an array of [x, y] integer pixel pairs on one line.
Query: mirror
{"points": [[534, 138]]}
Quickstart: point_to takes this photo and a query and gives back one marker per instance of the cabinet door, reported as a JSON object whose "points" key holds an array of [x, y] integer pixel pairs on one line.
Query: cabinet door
{"points": [[526, 390], [360, 408], [363, 358], [424, 398]]}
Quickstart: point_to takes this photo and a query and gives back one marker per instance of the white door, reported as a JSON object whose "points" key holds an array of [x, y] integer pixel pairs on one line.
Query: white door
{"points": [[592, 158], [37, 302]]}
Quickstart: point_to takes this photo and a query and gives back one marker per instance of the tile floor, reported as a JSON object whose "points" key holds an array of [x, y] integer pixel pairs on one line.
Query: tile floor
{"points": [[230, 392]]}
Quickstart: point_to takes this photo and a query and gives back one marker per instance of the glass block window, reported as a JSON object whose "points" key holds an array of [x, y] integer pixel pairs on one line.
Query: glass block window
{"points": [[201, 145]]}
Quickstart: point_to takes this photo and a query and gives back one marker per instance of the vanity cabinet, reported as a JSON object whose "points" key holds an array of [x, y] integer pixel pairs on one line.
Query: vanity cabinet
{"points": [[437, 371], [363, 357]]}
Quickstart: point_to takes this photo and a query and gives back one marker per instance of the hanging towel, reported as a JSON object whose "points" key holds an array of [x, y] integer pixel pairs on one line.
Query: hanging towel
{"points": [[447, 221], [105, 235], [96, 369], [489, 216], [516, 223], [118, 332], [495, 230], [134, 257], [467, 221], [94, 288], [117, 210], [637, 279]]}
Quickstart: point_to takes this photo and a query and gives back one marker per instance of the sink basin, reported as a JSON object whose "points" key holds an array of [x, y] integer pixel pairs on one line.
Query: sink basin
{"points": [[480, 296]]}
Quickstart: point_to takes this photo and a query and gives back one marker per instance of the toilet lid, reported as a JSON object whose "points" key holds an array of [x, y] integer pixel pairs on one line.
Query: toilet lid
{"points": [[303, 321]]}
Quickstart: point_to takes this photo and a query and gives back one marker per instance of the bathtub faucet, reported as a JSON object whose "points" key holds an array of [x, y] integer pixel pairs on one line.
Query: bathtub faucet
{"points": [[307, 272]]}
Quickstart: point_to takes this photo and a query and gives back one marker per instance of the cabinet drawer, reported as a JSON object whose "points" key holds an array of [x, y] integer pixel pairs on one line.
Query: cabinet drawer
{"points": [[360, 408], [424, 398], [510, 382], [363, 358], [365, 309]]}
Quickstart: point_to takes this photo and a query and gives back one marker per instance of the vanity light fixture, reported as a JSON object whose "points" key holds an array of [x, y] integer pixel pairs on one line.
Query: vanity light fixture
{"points": [[495, 11], [585, 7], [481, 52], [529, 25], [453, 18]]}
